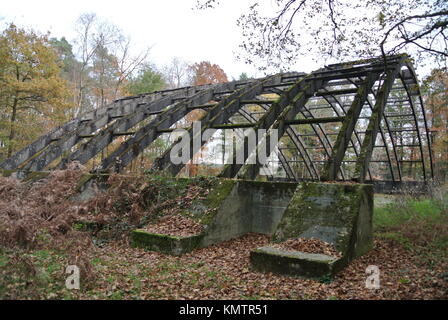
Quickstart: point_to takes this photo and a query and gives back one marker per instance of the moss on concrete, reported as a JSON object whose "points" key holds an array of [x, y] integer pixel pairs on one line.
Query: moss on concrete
{"points": [[202, 211], [292, 263], [36, 175], [215, 198], [165, 243], [337, 213], [6, 173], [272, 186], [26, 175], [83, 181]]}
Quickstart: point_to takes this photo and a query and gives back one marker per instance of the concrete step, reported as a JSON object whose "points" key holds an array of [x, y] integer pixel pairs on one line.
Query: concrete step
{"points": [[293, 263]]}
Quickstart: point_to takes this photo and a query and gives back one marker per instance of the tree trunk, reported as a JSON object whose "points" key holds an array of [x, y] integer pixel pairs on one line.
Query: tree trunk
{"points": [[12, 131]]}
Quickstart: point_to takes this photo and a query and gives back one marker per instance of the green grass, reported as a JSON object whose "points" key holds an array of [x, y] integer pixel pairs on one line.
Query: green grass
{"points": [[407, 210], [419, 224], [33, 274], [3, 260]]}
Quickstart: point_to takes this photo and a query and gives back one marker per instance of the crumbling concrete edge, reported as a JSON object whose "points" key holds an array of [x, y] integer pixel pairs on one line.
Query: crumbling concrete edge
{"points": [[294, 263], [165, 243], [175, 245], [24, 175], [358, 209]]}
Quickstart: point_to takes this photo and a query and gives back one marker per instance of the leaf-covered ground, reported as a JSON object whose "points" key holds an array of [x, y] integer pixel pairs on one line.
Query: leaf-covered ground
{"points": [[410, 250], [218, 272], [310, 245]]}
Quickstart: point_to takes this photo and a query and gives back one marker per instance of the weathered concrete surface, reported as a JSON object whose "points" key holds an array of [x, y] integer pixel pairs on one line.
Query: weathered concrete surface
{"points": [[89, 185], [25, 175], [340, 214], [164, 243], [232, 209], [399, 187], [295, 263], [251, 206], [202, 211]]}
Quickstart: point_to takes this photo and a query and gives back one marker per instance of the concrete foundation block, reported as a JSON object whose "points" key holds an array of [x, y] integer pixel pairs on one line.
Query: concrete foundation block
{"points": [[165, 243], [293, 263], [249, 206], [337, 213]]}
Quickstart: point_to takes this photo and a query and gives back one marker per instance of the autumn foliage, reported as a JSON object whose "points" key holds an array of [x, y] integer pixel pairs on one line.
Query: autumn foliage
{"points": [[206, 73], [42, 225], [202, 73], [436, 87], [33, 96]]}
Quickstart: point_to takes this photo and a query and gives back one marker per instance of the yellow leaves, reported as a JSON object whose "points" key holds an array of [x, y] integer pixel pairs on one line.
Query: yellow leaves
{"points": [[437, 112], [30, 84], [205, 73]]}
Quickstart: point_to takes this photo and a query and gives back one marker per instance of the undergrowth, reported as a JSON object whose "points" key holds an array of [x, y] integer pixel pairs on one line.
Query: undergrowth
{"points": [[42, 220], [419, 223], [43, 231]]}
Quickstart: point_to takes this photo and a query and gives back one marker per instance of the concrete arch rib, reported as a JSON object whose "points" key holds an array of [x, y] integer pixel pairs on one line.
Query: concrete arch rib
{"points": [[143, 118], [86, 125], [147, 134]]}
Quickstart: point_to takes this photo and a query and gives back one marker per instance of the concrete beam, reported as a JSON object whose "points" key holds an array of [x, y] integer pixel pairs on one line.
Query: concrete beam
{"points": [[285, 109], [82, 123], [97, 120], [102, 139], [344, 137], [219, 114], [143, 137], [315, 120], [373, 127]]}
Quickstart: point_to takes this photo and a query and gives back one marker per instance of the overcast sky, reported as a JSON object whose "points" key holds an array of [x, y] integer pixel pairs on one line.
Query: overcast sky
{"points": [[170, 26]]}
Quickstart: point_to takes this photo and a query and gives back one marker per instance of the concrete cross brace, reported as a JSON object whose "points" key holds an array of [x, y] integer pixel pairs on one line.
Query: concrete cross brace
{"points": [[108, 134], [143, 137], [348, 126], [288, 106], [368, 143], [79, 124], [219, 114]]}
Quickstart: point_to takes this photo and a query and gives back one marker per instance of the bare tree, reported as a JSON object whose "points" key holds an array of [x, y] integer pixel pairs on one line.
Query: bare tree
{"points": [[342, 28], [177, 73], [106, 62], [86, 49], [127, 64]]}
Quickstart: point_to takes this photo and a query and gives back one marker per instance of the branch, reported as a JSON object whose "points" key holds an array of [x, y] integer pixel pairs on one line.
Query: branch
{"points": [[424, 16]]}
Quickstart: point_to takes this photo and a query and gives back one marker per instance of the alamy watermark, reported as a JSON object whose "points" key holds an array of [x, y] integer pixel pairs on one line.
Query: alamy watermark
{"points": [[373, 280], [72, 281], [246, 142]]}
